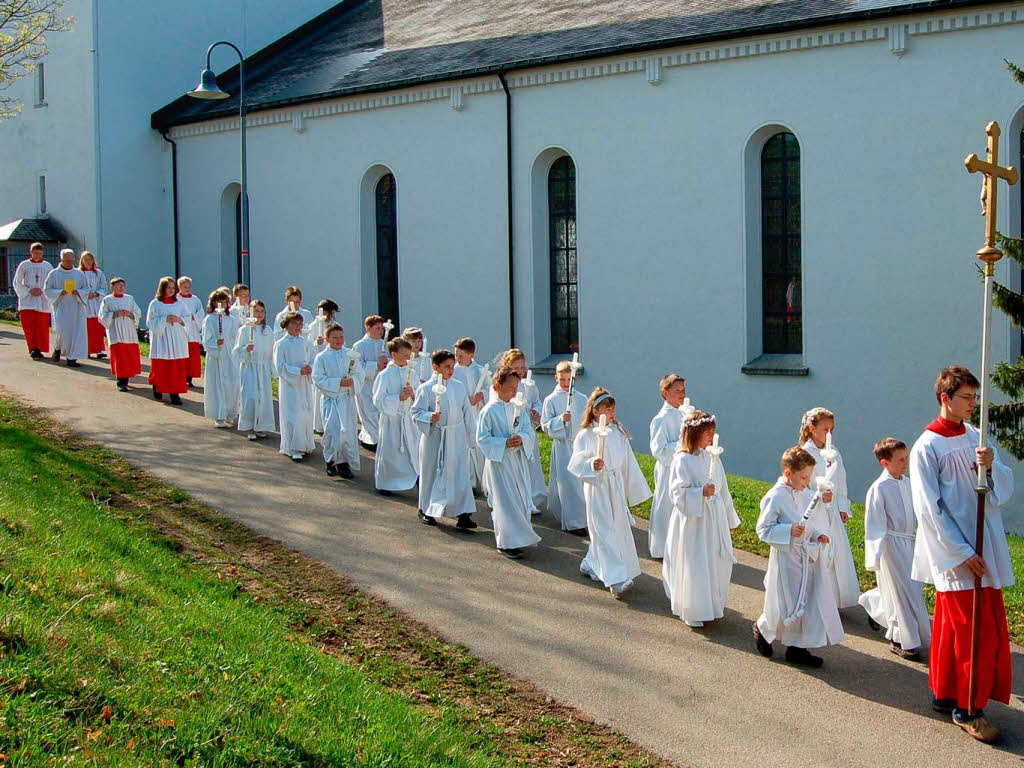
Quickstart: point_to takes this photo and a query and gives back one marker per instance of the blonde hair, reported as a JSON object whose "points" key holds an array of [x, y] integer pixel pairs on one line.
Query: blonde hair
{"points": [[796, 458], [509, 356], [693, 428], [588, 414], [669, 380], [563, 366], [412, 332], [183, 278], [811, 419], [81, 259]]}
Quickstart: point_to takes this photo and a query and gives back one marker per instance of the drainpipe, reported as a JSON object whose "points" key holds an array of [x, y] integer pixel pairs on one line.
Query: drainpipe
{"points": [[508, 193], [174, 199]]}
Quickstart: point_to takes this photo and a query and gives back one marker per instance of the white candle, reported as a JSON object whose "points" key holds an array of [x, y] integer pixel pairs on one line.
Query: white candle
{"points": [[828, 441], [439, 389], [519, 402], [715, 450], [602, 431], [291, 306], [388, 325]]}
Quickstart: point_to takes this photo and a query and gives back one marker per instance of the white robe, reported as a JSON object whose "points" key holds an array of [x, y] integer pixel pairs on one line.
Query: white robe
{"points": [[27, 276], [445, 485], [280, 333], [396, 465], [312, 332], [942, 481], [565, 490], [69, 313], [95, 282], [897, 603], [370, 351], [340, 442], [168, 341], [294, 394], [239, 312], [838, 553], [469, 375], [666, 427], [533, 403], [507, 475], [255, 368], [820, 625], [698, 549], [611, 558], [220, 379], [197, 315], [120, 330]]}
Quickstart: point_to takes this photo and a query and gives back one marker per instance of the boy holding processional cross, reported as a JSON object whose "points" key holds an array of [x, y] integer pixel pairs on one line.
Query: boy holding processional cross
{"points": [[398, 453], [292, 303], [943, 466], [666, 428]]}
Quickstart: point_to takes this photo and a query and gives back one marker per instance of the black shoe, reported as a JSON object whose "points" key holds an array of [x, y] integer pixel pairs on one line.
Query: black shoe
{"points": [[512, 554], [875, 626], [73, 363], [175, 399], [763, 646], [157, 395], [100, 355], [803, 657], [55, 356], [466, 522], [188, 382], [910, 654], [332, 471], [369, 446], [122, 384], [943, 706], [35, 354], [344, 470], [581, 532], [382, 492], [426, 520]]}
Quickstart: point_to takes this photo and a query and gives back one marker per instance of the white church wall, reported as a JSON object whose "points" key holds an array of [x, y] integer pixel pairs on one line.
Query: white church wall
{"points": [[889, 214]]}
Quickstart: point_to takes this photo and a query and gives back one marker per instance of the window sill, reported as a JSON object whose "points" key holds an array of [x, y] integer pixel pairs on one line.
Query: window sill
{"points": [[41, 104], [548, 364], [776, 365]]}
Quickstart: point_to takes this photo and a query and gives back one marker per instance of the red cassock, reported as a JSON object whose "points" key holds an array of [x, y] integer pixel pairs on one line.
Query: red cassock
{"points": [[195, 360], [125, 360], [97, 335], [169, 376], [36, 326]]}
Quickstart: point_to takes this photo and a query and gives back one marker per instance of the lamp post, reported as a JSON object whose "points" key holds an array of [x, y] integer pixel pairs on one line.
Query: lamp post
{"points": [[208, 89]]}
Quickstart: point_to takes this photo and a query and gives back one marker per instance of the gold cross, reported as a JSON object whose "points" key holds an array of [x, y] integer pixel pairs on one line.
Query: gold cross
{"points": [[990, 254]]}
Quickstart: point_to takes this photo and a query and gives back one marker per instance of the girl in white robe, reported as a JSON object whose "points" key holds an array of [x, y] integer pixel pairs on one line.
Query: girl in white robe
{"points": [[611, 485], [69, 309], [561, 422], [254, 355], [698, 550], [799, 599], [890, 530], [220, 381], [502, 435], [396, 467], [167, 318], [516, 360], [477, 384], [293, 358], [446, 489], [816, 426], [95, 290], [419, 360], [337, 386], [372, 354], [666, 427], [316, 335]]}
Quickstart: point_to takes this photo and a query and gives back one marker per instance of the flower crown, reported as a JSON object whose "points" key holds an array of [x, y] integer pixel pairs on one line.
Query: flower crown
{"points": [[814, 415], [699, 422]]}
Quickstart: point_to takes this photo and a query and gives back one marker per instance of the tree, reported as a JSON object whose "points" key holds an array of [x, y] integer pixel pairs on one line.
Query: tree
{"points": [[23, 28], [1007, 418]]}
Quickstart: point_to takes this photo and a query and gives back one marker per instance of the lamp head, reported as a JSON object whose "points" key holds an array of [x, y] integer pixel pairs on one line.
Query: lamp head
{"points": [[208, 88]]}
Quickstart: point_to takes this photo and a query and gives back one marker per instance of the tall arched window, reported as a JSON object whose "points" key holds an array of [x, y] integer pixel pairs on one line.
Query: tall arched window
{"points": [[782, 317], [387, 249], [565, 326]]}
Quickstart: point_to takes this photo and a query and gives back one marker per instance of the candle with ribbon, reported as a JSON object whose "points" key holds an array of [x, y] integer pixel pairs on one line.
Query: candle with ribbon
{"points": [[388, 325], [353, 358], [485, 375], [715, 450], [220, 321], [602, 430], [574, 366], [438, 389], [519, 402]]}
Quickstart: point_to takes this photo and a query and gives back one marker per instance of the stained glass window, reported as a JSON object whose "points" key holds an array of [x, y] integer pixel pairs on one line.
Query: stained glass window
{"points": [[565, 332], [387, 250], [782, 303]]}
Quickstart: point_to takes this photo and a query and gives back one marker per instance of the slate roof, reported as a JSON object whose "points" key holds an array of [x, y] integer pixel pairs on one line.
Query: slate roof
{"points": [[32, 230], [374, 45]]}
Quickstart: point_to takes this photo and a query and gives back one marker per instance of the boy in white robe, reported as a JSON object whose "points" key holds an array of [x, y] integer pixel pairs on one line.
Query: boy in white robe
{"points": [[560, 421], [254, 355], [446, 421], [292, 303], [698, 549], [335, 380], [65, 288], [815, 430], [799, 598], [195, 327], [501, 432], [397, 464], [516, 360], [293, 358], [477, 381], [240, 308], [373, 356], [897, 603], [612, 483], [120, 315], [666, 426], [316, 335], [33, 306], [220, 381]]}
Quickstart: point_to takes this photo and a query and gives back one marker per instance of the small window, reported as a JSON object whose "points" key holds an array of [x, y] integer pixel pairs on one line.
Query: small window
{"points": [[782, 307], [40, 84], [42, 194]]}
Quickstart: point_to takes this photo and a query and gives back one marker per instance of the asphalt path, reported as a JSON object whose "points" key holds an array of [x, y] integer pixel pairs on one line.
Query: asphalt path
{"points": [[698, 697]]}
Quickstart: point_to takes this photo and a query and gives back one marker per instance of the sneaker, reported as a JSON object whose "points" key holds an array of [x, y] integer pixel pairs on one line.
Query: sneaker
{"points": [[344, 470], [332, 471], [73, 364], [297, 456], [977, 727], [535, 511], [175, 400], [512, 554], [371, 447], [260, 435], [252, 436], [425, 519], [763, 646], [910, 654], [875, 626], [466, 522], [803, 657]]}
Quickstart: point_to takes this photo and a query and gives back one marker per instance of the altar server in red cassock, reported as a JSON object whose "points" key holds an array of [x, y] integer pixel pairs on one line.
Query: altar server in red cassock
{"points": [[194, 326], [168, 318], [33, 306], [120, 316], [96, 284]]}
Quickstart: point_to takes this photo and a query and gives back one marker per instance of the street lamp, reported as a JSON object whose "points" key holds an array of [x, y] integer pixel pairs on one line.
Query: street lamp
{"points": [[208, 89]]}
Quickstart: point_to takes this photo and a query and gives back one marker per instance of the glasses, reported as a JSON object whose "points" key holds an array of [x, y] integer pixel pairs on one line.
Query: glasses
{"points": [[968, 398]]}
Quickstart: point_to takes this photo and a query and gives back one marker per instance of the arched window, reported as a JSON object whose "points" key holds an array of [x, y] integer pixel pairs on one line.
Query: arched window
{"points": [[565, 331], [387, 249], [782, 317]]}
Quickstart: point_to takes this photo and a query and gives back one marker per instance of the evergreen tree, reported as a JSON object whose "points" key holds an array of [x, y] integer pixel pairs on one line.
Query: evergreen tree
{"points": [[1007, 419]]}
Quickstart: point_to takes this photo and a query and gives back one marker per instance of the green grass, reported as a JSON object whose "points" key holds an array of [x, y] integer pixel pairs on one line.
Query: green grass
{"points": [[115, 647]]}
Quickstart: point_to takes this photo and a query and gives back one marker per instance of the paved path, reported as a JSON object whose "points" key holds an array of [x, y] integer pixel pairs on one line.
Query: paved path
{"points": [[699, 698]]}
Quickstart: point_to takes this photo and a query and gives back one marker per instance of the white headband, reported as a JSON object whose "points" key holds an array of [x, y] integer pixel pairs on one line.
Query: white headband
{"points": [[602, 397]]}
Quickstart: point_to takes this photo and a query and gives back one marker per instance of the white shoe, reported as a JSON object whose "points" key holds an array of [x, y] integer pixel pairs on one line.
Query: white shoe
{"points": [[694, 624], [220, 424], [252, 436], [297, 457]]}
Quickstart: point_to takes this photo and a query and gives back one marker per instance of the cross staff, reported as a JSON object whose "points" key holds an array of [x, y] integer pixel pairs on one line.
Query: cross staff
{"points": [[989, 254]]}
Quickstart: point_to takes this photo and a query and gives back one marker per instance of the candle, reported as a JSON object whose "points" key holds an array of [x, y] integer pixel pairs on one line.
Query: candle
{"points": [[439, 389], [828, 441], [602, 430], [353, 358], [574, 367], [715, 450], [518, 402], [291, 306], [485, 374], [388, 325], [686, 408]]}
